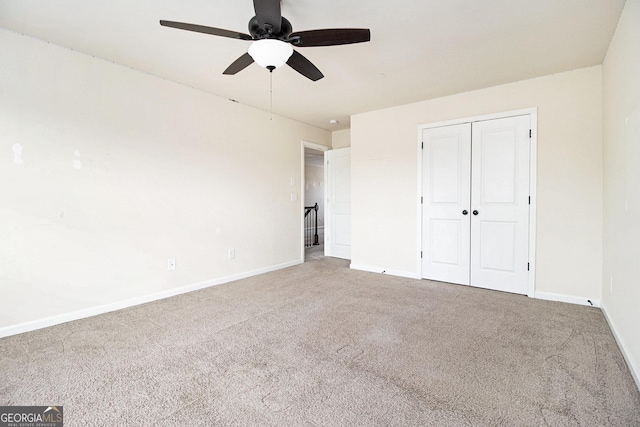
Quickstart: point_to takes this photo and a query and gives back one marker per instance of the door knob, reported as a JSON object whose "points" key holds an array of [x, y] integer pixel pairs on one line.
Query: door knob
{"points": [[475, 212], [464, 212]]}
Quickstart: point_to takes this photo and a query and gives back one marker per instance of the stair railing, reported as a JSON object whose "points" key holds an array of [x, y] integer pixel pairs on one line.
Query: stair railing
{"points": [[311, 226]]}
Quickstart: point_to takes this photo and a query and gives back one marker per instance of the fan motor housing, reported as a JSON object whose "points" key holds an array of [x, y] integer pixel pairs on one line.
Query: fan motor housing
{"points": [[259, 32]]}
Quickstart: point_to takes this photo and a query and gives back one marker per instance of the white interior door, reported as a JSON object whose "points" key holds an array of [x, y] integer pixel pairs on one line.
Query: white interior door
{"points": [[500, 204], [446, 158], [475, 210], [338, 204]]}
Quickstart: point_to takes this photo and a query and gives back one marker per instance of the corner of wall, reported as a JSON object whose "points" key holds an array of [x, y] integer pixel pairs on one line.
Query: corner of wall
{"points": [[341, 139]]}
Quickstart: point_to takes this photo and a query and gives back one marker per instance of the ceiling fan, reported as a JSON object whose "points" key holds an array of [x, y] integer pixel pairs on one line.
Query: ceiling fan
{"points": [[273, 38]]}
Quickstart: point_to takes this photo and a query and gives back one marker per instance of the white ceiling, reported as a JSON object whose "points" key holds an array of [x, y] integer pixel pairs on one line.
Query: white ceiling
{"points": [[419, 49]]}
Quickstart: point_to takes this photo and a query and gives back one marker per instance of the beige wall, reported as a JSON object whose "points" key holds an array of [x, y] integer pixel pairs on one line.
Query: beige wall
{"points": [[569, 185], [120, 171], [621, 93], [341, 139]]}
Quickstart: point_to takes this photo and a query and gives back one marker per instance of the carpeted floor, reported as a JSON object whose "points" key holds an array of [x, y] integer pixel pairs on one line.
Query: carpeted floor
{"points": [[321, 345]]}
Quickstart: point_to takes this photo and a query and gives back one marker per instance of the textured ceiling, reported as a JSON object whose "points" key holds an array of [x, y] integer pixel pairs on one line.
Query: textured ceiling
{"points": [[419, 49]]}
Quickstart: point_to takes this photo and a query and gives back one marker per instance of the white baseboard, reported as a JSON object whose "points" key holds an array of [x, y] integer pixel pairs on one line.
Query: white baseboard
{"points": [[635, 370], [106, 308], [384, 271], [567, 298]]}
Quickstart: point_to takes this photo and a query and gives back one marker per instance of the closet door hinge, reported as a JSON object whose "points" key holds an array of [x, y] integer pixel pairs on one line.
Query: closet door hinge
{"points": [[420, 254], [422, 145], [529, 133], [529, 199], [421, 200], [527, 266]]}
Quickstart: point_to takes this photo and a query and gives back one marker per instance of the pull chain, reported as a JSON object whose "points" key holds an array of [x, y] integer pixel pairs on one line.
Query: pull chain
{"points": [[271, 68]]}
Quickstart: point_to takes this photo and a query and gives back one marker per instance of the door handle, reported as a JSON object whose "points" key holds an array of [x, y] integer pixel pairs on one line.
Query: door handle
{"points": [[464, 212], [475, 212]]}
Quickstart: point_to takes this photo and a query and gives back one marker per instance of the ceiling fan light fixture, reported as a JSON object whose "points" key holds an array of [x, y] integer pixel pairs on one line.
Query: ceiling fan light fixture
{"points": [[270, 52]]}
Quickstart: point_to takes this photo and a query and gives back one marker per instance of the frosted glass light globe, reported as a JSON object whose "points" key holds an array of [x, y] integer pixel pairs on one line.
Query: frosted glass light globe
{"points": [[270, 52]]}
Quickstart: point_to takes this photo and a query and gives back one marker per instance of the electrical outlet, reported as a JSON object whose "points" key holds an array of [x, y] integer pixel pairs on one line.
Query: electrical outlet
{"points": [[232, 253], [294, 197], [171, 264]]}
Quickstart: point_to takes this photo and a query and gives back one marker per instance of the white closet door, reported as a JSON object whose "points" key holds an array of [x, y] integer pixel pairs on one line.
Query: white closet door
{"points": [[446, 158], [338, 207], [500, 204]]}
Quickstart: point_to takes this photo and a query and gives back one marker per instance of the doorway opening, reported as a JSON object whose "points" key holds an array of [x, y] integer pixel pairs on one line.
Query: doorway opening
{"points": [[313, 183]]}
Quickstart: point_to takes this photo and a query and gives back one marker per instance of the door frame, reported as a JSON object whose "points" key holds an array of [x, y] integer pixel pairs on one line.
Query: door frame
{"points": [[533, 161], [306, 144]]}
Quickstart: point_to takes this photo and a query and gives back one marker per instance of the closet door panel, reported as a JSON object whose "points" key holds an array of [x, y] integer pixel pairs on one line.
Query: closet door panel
{"points": [[445, 229], [500, 204]]}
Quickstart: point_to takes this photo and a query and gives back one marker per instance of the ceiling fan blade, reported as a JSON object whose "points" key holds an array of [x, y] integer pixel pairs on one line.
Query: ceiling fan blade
{"points": [[304, 66], [206, 30], [268, 14], [330, 37], [239, 64]]}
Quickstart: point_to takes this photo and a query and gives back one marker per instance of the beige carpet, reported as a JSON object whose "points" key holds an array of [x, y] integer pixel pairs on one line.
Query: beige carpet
{"points": [[322, 345]]}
